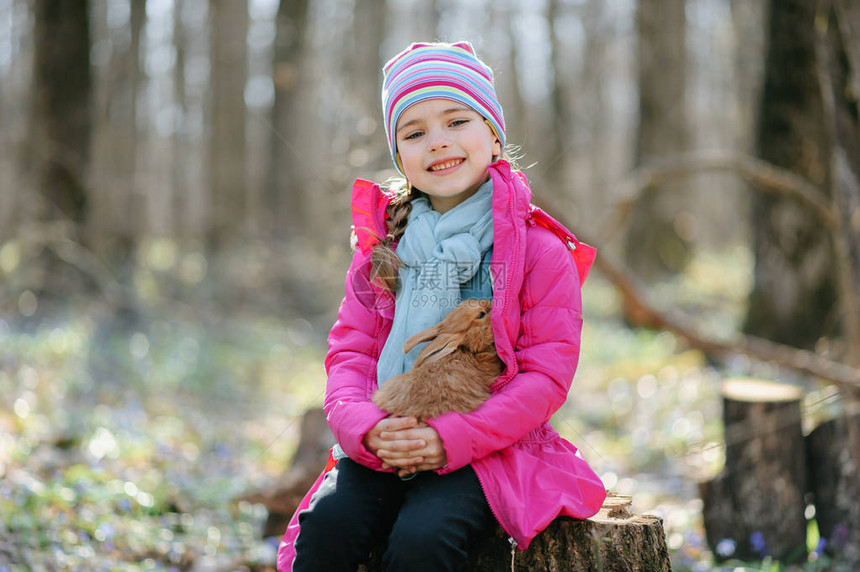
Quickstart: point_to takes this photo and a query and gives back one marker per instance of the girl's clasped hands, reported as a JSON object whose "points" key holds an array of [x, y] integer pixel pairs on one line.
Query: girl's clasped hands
{"points": [[404, 444]]}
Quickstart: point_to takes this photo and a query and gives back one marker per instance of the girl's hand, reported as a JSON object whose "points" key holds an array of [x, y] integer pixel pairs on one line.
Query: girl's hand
{"points": [[432, 453], [405, 445], [395, 446]]}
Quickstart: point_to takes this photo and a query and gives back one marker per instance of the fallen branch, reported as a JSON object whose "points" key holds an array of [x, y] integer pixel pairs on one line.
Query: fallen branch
{"points": [[651, 314], [762, 175], [648, 313], [58, 237]]}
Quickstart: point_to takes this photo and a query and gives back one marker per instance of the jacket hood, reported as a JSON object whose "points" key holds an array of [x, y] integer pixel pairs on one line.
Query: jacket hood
{"points": [[368, 214]]}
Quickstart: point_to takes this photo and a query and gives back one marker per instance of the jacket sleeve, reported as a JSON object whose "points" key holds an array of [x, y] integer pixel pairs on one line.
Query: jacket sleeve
{"points": [[547, 352], [351, 364]]}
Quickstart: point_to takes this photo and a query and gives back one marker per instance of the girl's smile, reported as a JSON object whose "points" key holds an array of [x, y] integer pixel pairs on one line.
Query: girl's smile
{"points": [[445, 148], [445, 165]]}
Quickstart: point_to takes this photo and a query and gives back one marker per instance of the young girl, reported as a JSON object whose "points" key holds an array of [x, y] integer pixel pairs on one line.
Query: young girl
{"points": [[461, 227]]}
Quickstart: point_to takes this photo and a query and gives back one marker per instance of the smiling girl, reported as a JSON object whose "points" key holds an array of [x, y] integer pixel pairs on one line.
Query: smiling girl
{"points": [[461, 225]]}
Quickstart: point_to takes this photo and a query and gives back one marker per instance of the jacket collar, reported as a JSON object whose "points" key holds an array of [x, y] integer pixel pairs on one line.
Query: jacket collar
{"points": [[510, 187], [369, 203]]}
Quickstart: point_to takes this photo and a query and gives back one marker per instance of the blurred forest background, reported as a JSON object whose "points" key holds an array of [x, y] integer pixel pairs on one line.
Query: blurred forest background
{"points": [[174, 231]]}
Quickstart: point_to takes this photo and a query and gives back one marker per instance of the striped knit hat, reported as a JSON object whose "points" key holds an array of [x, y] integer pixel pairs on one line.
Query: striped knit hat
{"points": [[438, 71]]}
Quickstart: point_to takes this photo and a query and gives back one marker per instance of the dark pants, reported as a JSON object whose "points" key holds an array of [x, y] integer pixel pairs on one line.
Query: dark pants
{"points": [[429, 520]]}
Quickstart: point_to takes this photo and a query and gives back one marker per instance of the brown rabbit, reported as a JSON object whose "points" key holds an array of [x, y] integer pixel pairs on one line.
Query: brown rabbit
{"points": [[453, 372]]}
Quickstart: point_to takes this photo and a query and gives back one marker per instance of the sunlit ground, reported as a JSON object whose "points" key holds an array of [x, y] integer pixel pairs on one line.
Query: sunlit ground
{"points": [[124, 445]]}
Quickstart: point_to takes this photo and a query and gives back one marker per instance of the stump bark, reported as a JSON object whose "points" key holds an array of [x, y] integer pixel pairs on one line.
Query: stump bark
{"points": [[755, 507], [835, 484], [614, 539]]}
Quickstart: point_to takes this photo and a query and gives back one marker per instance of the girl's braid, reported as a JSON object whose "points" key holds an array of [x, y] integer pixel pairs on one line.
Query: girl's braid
{"points": [[384, 260]]}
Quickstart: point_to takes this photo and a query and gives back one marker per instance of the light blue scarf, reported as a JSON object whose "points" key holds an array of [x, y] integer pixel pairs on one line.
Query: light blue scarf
{"points": [[439, 252]]}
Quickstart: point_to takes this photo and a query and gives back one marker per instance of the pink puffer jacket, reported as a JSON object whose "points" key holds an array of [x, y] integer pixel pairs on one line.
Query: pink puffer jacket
{"points": [[529, 474]]}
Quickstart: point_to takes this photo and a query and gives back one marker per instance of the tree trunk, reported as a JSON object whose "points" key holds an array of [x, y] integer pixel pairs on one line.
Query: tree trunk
{"points": [[62, 111], [748, 25], [794, 293], [613, 539], [653, 246], [118, 212], [755, 507], [839, 78], [834, 447], [517, 123], [193, 48], [227, 165], [835, 485], [119, 200], [178, 140], [595, 113], [15, 108], [368, 151], [426, 18], [284, 192], [58, 153], [364, 63], [560, 147]]}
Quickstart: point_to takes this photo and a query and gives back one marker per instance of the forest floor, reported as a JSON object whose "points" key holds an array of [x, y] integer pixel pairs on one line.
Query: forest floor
{"points": [[124, 443]]}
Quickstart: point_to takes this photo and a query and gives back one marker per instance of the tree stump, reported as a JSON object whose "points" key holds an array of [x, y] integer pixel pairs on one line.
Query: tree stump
{"points": [[282, 499], [834, 472], [755, 507], [613, 539]]}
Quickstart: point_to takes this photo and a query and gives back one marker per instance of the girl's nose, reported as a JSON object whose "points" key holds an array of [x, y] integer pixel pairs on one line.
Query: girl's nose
{"points": [[438, 139]]}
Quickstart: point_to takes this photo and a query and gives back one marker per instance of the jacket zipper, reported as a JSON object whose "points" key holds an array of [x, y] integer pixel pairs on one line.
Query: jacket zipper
{"points": [[509, 347], [513, 553], [493, 509], [514, 256]]}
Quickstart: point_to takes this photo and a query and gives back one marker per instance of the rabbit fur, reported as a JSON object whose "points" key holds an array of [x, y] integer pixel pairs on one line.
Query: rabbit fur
{"points": [[453, 372]]}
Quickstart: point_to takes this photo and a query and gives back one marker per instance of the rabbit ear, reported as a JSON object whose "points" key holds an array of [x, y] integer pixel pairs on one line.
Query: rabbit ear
{"points": [[442, 345], [423, 336]]}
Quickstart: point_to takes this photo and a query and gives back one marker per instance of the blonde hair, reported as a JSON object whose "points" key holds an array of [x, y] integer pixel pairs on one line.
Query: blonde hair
{"points": [[385, 262]]}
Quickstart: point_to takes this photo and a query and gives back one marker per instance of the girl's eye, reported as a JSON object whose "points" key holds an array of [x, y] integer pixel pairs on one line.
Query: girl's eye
{"points": [[459, 122], [414, 135]]}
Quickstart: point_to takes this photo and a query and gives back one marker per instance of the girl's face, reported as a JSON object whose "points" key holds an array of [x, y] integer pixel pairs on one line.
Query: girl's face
{"points": [[445, 148]]}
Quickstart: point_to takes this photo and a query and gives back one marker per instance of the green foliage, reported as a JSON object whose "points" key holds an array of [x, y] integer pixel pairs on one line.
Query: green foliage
{"points": [[124, 442], [124, 446]]}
